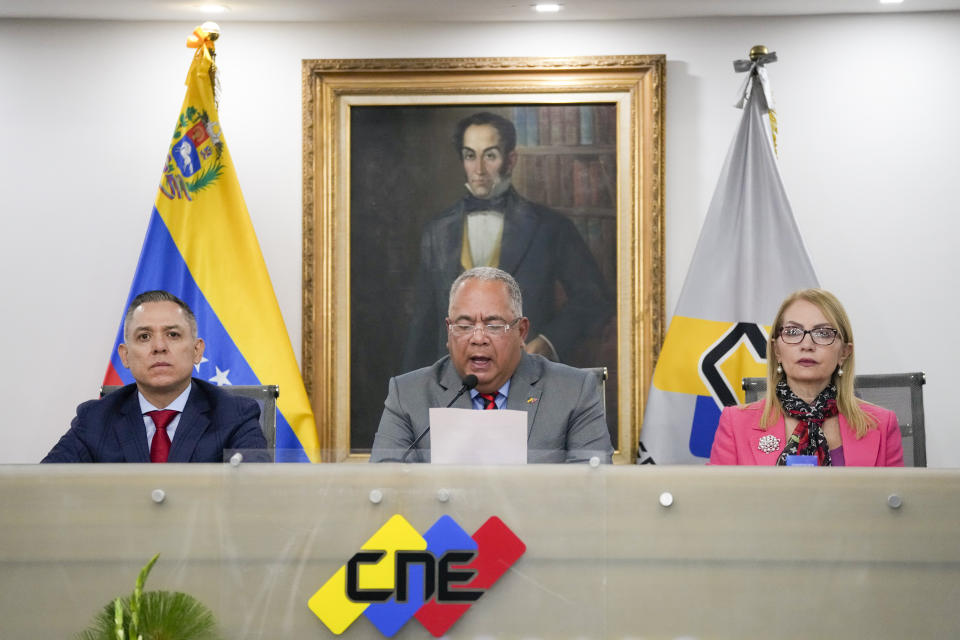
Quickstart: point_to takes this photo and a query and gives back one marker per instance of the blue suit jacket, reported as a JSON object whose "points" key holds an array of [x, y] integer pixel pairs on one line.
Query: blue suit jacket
{"points": [[111, 429], [541, 248]]}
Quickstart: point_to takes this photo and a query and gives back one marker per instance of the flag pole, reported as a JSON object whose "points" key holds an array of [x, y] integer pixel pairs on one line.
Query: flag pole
{"points": [[759, 56]]}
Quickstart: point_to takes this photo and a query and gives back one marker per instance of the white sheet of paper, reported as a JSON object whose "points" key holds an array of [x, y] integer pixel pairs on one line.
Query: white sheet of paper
{"points": [[468, 436]]}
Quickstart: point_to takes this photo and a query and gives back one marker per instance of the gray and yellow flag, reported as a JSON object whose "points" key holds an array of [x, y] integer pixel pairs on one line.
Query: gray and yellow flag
{"points": [[749, 257]]}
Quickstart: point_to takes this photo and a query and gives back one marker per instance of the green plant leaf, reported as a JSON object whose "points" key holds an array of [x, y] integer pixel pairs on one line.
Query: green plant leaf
{"points": [[205, 178], [164, 615], [153, 615], [118, 618], [136, 598]]}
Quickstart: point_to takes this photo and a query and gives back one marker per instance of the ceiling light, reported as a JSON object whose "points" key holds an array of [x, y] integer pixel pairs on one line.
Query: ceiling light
{"points": [[546, 7], [213, 8]]}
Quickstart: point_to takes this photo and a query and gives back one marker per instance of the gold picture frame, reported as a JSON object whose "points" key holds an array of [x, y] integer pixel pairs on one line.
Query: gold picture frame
{"points": [[343, 167]]}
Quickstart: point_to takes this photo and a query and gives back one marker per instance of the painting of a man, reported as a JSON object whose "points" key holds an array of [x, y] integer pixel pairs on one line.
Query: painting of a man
{"points": [[564, 292]]}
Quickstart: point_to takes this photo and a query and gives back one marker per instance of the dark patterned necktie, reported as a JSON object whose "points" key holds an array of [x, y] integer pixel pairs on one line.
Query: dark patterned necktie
{"points": [[490, 399], [160, 447]]}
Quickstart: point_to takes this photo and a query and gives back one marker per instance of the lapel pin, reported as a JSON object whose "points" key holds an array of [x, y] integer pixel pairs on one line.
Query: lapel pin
{"points": [[769, 443], [531, 400]]}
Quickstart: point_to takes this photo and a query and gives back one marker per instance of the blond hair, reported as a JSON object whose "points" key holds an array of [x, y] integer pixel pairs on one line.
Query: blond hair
{"points": [[847, 402]]}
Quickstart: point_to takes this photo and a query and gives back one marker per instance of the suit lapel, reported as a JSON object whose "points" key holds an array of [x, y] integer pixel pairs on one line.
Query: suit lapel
{"points": [[193, 422], [448, 383], [130, 430], [450, 236], [859, 453], [519, 231], [778, 431], [445, 386], [525, 391]]}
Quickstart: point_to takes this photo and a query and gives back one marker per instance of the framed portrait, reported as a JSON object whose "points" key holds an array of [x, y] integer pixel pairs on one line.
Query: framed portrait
{"points": [[384, 166]]}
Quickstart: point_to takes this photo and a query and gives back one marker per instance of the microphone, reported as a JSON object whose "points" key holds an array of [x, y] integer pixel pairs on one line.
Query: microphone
{"points": [[469, 382]]}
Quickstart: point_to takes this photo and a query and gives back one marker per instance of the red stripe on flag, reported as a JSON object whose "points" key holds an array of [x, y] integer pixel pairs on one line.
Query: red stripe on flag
{"points": [[111, 376]]}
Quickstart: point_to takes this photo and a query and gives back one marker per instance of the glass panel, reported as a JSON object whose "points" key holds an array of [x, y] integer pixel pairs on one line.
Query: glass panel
{"points": [[610, 551]]}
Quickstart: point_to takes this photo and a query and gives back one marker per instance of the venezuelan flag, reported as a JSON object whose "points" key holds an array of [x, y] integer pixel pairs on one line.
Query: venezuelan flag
{"points": [[201, 246]]}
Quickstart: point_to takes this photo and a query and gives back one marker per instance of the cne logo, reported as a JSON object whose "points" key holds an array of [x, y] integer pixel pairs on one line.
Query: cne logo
{"points": [[740, 352], [742, 335], [399, 574]]}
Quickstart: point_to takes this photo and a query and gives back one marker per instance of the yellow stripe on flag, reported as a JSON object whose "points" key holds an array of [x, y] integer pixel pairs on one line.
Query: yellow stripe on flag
{"points": [[211, 227]]}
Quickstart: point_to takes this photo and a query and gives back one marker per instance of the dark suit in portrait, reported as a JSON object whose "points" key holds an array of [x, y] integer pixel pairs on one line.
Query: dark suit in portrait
{"points": [[564, 293]]}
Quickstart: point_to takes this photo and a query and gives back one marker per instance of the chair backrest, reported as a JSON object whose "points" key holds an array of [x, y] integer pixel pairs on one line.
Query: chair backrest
{"points": [[901, 393], [265, 394], [601, 374]]}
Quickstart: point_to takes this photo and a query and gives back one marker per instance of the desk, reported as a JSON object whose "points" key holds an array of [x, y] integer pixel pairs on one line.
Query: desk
{"points": [[740, 553]]}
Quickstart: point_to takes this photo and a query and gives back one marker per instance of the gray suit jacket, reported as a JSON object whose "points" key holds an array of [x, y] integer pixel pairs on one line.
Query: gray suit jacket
{"points": [[565, 417]]}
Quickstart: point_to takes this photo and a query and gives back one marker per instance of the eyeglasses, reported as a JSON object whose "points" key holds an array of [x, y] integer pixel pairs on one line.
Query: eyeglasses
{"points": [[462, 330], [821, 335]]}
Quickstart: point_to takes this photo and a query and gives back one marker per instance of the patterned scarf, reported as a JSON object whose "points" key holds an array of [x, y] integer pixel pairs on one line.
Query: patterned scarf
{"points": [[807, 438]]}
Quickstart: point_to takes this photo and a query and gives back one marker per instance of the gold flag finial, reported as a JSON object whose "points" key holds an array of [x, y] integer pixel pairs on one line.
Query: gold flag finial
{"points": [[760, 56], [212, 29], [757, 52], [202, 39]]}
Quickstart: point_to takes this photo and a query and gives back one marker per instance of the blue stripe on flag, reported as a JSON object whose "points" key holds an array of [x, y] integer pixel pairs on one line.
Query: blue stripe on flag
{"points": [[705, 419], [161, 266], [288, 447]]}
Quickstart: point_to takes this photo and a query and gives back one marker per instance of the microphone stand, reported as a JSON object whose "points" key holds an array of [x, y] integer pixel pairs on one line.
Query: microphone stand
{"points": [[469, 382]]}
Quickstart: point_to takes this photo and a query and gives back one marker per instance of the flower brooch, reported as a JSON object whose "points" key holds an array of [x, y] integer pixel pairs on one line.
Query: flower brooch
{"points": [[769, 443]]}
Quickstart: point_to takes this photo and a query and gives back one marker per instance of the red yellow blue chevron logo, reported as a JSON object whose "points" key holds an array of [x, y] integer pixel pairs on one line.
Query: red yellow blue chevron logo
{"points": [[399, 574]]}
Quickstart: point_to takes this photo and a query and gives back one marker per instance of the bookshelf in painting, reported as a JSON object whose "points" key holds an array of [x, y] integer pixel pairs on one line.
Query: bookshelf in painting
{"points": [[567, 161]]}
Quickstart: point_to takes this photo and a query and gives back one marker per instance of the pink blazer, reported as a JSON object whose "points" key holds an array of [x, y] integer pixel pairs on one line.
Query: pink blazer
{"points": [[738, 439]]}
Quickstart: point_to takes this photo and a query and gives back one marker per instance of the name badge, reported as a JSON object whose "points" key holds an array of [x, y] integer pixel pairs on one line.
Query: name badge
{"points": [[801, 461]]}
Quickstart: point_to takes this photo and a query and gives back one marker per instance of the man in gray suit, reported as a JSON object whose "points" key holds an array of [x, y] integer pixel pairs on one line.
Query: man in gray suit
{"points": [[486, 332]]}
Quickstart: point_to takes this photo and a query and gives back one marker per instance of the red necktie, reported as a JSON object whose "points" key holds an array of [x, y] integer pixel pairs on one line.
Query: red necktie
{"points": [[160, 447], [490, 398]]}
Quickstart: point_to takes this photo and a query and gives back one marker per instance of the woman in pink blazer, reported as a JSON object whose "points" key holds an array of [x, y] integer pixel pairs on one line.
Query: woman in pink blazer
{"points": [[810, 414]]}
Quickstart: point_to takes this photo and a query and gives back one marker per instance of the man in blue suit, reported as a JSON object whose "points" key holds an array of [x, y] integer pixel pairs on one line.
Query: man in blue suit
{"points": [[564, 292], [166, 415]]}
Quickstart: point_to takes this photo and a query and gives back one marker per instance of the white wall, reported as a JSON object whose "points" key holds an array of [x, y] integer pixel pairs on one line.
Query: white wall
{"points": [[868, 148]]}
